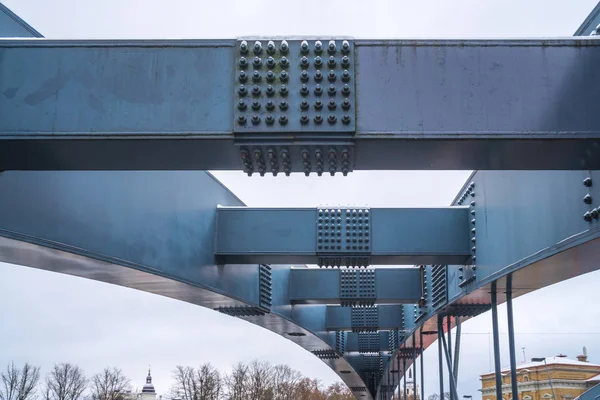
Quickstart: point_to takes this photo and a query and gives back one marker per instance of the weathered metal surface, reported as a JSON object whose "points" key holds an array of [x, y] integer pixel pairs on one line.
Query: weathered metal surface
{"points": [[503, 104], [395, 236]]}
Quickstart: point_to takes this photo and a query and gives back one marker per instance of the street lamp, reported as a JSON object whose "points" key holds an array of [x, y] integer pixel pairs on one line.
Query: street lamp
{"points": [[540, 359]]}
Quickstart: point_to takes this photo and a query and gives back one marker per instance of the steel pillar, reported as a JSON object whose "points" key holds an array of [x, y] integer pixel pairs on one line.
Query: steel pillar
{"points": [[405, 378], [511, 338], [496, 338], [453, 388], [449, 353], [457, 347], [422, 365], [414, 364], [440, 329]]}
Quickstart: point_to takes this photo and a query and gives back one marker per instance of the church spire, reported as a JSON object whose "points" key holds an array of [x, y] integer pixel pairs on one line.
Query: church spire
{"points": [[148, 387]]}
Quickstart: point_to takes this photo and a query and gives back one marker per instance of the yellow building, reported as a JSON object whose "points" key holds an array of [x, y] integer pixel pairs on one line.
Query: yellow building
{"points": [[569, 378]]}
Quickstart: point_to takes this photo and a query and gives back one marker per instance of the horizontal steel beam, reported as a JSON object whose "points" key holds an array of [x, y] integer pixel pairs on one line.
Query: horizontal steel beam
{"points": [[326, 286], [169, 104], [401, 236], [388, 317]]}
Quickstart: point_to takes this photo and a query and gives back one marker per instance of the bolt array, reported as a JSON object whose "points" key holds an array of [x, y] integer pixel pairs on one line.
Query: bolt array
{"points": [[594, 213], [469, 193]]}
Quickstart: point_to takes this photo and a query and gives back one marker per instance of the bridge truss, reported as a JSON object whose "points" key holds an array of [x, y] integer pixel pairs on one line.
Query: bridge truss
{"points": [[104, 146]]}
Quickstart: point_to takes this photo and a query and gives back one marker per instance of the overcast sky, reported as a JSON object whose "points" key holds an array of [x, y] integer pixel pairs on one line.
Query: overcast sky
{"points": [[48, 318]]}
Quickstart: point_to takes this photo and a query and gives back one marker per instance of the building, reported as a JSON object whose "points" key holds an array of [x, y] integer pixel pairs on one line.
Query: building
{"points": [[567, 378], [148, 392]]}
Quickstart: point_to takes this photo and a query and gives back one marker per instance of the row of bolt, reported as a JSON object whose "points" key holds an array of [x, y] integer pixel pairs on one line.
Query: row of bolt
{"points": [[304, 119], [470, 192], [284, 47], [270, 76], [286, 162], [283, 90], [284, 62], [593, 214]]}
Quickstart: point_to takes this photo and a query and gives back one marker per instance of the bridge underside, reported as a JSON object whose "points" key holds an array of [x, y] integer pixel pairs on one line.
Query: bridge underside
{"points": [[95, 137], [138, 229]]}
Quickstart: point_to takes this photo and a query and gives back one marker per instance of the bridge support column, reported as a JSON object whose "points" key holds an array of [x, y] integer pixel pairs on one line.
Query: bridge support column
{"points": [[405, 376], [440, 362], [496, 342], [449, 351], [511, 337], [414, 364], [457, 347], [422, 367]]}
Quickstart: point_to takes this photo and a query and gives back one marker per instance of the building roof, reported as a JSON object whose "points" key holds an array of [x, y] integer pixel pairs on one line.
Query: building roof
{"points": [[551, 361], [594, 378]]}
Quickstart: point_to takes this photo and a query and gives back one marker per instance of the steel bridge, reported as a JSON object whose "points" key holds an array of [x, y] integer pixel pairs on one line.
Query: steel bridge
{"points": [[104, 145]]}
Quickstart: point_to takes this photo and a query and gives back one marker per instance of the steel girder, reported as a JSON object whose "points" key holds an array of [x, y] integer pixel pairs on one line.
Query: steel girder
{"points": [[384, 236], [482, 104]]}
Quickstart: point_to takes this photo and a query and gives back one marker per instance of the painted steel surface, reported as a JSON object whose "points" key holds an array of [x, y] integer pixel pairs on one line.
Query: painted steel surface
{"points": [[487, 104]]}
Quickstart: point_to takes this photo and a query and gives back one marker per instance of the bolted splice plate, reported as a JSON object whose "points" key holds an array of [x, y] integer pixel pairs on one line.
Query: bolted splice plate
{"points": [[343, 236], [284, 86]]}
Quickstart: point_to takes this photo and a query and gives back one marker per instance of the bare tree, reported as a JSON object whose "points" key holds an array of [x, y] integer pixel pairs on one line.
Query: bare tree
{"points": [[183, 387], [261, 380], [207, 383], [237, 383], [433, 396], [65, 382], [110, 384], [339, 391], [19, 384], [285, 381], [309, 389]]}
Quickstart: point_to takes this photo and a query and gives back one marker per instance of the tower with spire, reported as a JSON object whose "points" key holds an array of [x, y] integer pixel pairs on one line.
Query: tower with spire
{"points": [[148, 392]]}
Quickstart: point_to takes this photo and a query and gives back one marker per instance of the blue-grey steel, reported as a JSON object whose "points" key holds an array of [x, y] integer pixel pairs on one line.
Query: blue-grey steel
{"points": [[453, 388], [449, 356], [396, 237], [422, 364], [457, 348], [440, 334], [496, 340], [511, 337], [321, 286], [13, 26], [404, 394], [414, 363], [420, 105], [389, 317]]}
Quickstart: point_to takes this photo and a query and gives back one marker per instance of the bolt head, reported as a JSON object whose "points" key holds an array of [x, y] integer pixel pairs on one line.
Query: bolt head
{"points": [[332, 119], [304, 76], [331, 47], [318, 105], [270, 91], [345, 47], [345, 61], [304, 105], [270, 62], [346, 104], [270, 105], [256, 90], [283, 120], [242, 90], [243, 62], [318, 76], [587, 216], [587, 182], [346, 75], [331, 62], [283, 105], [257, 62], [304, 90], [256, 105], [284, 62], [256, 76], [242, 105], [318, 46], [242, 119], [331, 90], [284, 47], [304, 119], [244, 47], [318, 90], [318, 61], [283, 76], [332, 104], [304, 61], [595, 213], [255, 119], [271, 47], [346, 119], [304, 46], [257, 48], [270, 76], [242, 77], [269, 119], [318, 119], [346, 89], [587, 199]]}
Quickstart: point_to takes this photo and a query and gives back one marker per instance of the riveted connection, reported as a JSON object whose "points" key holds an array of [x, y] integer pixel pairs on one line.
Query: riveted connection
{"points": [[345, 47], [318, 47], [305, 155], [247, 161], [257, 48], [286, 162], [304, 47], [331, 47], [318, 76], [273, 164], [283, 76], [284, 47], [271, 47], [594, 213], [244, 47], [260, 162], [468, 274]]}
